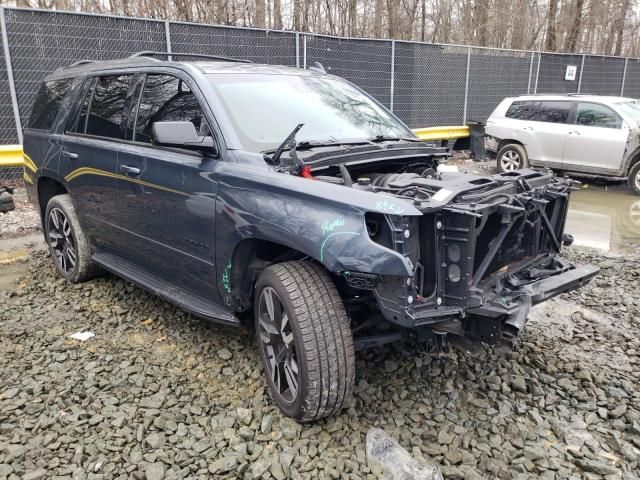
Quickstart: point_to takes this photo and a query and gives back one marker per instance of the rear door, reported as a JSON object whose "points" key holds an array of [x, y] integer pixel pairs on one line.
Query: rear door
{"points": [[169, 195], [90, 155], [542, 126], [597, 140]]}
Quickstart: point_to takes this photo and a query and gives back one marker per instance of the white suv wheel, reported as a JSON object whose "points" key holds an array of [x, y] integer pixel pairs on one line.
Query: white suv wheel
{"points": [[511, 157], [510, 161]]}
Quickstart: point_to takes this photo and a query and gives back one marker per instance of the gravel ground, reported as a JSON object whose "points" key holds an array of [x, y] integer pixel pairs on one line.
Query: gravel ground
{"points": [[21, 221], [159, 394]]}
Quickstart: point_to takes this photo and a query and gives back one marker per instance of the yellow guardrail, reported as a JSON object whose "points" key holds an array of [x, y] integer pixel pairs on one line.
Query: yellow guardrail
{"points": [[11, 156], [442, 133]]}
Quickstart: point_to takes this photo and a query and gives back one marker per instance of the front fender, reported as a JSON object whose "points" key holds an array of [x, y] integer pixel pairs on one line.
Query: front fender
{"points": [[319, 219]]}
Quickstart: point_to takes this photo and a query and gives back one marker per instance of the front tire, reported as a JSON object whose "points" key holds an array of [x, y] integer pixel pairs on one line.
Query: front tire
{"points": [[68, 245], [304, 339], [634, 179], [511, 157]]}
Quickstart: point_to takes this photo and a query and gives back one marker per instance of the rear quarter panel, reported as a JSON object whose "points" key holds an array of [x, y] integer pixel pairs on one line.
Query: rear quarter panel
{"points": [[41, 152]]}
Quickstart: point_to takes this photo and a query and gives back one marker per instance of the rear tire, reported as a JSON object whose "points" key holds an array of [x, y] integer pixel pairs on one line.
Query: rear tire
{"points": [[305, 340], [511, 157], [68, 245], [634, 179]]}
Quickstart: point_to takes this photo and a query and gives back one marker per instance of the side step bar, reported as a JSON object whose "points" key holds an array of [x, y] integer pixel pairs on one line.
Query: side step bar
{"points": [[199, 306]]}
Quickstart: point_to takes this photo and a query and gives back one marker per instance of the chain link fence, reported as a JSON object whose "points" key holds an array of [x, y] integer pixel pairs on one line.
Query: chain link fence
{"points": [[424, 84]]}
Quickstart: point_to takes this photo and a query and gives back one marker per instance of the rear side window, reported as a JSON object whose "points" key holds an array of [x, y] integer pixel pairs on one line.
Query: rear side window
{"points": [[540, 111], [103, 107], [167, 98], [596, 115], [47, 103]]}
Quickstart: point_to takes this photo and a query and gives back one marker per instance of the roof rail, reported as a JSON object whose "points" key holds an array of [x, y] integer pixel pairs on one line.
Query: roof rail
{"points": [[592, 94], [81, 62], [151, 54]]}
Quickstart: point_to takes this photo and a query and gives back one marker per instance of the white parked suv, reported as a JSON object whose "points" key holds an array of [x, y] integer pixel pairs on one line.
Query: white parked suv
{"points": [[584, 134]]}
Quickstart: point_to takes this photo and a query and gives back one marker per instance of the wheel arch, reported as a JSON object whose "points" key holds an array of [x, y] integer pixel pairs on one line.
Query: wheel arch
{"points": [[47, 188], [250, 257], [631, 161], [508, 141]]}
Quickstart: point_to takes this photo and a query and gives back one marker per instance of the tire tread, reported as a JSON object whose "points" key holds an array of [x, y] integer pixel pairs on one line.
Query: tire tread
{"points": [[327, 344]]}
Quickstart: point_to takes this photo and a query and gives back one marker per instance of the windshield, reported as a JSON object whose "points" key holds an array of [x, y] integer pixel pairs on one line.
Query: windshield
{"points": [[265, 108], [630, 109]]}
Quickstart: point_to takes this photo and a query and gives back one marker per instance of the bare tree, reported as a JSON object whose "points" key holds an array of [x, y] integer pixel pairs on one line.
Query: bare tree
{"points": [[620, 21], [277, 15], [550, 39], [576, 26], [589, 26]]}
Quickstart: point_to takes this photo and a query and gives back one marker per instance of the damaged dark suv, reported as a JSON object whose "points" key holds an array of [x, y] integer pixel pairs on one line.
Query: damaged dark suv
{"points": [[227, 188]]}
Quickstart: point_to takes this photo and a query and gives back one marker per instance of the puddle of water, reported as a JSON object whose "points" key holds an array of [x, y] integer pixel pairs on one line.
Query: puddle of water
{"points": [[10, 275], [606, 218], [13, 255]]}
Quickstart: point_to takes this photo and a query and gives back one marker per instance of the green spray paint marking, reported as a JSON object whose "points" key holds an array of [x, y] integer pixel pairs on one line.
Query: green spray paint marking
{"points": [[325, 241], [328, 227], [226, 278], [389, 207]]}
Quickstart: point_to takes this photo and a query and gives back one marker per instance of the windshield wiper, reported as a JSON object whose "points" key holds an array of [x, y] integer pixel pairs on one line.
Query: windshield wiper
{"points": [[307, 144], [290, 141], [385, 138]]}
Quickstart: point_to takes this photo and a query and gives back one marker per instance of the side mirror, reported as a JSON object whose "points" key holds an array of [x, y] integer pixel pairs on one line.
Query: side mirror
{"points": [[180, 134]]}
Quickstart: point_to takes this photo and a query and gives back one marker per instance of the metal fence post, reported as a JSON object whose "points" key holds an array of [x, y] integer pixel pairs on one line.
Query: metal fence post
{"points": [[624, 76], [12, 84], [581, 69], [167, 34], [393, 73], [466, 88], [535, 88], [304, 52], [533, 54], [297, 49]]}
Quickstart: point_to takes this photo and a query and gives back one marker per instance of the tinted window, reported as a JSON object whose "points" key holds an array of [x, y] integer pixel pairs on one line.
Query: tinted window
{"points": [[595, 115], [537, 111], [47, 103], [106, 107], [80, 122], [166, 98]]}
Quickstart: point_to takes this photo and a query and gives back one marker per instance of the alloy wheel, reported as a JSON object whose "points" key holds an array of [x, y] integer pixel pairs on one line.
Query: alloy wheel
{"points": [[510, 160], [61, 240], [637, 180], [277, 341]]}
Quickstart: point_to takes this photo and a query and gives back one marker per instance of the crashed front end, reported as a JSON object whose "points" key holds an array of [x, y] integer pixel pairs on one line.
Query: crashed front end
{"points": [[483, 252]]}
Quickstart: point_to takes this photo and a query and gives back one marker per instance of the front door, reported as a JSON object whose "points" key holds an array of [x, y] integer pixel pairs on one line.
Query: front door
{"points": [[597, 141], [169, 194]]}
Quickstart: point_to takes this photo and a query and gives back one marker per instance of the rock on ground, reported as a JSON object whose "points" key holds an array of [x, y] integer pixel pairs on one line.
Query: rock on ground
{"points": [[150, 396], [22, 220]]}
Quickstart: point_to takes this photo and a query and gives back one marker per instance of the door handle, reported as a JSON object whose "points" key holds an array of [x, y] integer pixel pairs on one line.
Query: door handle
{"points": [[527, 129], [70, 155], [574, 132], [129, 170]]}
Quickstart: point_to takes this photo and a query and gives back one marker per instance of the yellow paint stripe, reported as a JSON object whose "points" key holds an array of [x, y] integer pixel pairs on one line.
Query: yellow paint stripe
{"points": [[102, 173], [27, 178], [28, 163]]}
